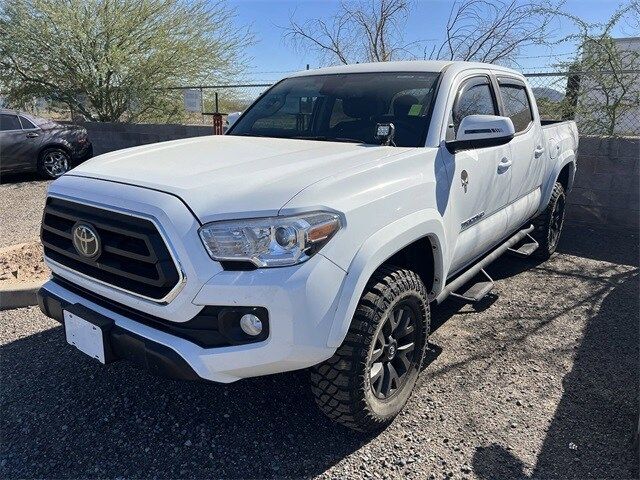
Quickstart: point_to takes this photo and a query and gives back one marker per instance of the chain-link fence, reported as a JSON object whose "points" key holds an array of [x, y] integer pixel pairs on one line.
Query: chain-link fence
{"points": [[199, 103], [601, 102]]}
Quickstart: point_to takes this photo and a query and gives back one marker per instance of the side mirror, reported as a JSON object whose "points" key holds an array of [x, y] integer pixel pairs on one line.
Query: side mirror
{"points": [[232, 117], [479, 131]]}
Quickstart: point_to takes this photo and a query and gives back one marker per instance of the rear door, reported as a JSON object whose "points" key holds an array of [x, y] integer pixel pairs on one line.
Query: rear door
{"points": [[480, 179], [527, 150]]}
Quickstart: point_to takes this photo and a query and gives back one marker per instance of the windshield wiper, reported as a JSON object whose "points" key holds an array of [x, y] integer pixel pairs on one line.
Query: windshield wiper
{"points": [[323, 138], [320, 138], [250, 134]]}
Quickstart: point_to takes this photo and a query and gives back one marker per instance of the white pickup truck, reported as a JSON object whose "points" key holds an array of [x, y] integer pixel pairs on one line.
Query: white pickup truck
{"points": [[315, 234]]}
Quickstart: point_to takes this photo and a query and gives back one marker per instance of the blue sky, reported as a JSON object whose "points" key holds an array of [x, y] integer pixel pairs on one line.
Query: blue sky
{"points": [[272, 56]]}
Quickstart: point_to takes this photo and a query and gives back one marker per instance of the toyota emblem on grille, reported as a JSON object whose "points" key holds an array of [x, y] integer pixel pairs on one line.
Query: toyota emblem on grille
{"points": [[86, 240]]}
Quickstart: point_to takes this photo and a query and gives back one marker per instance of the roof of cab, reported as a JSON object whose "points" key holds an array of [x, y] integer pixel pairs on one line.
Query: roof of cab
{"points": [[435, 66]]}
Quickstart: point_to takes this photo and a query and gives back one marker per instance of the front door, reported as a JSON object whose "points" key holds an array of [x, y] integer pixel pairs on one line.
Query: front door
{"points": [[11, 136], [480, 179]]}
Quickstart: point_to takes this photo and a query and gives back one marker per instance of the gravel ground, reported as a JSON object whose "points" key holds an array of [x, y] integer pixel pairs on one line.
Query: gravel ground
{"points": [[21, 203], [540, 382]]}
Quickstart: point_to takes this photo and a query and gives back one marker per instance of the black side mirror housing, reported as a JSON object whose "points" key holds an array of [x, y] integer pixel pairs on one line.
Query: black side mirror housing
{"points": [[454, 146]]}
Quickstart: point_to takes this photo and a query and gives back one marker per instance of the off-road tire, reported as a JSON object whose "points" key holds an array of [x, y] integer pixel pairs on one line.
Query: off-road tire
{"points": [[342, 385], [547, 229]]}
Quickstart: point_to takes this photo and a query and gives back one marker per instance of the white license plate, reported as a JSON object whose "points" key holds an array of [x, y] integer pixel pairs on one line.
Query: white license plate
{"points": [[84, 335]]}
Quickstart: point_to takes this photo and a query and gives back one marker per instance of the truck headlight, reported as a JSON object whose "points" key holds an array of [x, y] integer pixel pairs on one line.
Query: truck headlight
{"points": [[271, 241]]}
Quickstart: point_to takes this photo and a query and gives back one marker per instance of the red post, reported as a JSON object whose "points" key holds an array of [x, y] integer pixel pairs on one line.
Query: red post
{"points": [[217, 124]]}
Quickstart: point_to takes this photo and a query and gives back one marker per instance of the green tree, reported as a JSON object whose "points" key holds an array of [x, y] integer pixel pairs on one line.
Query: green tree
{"points": [[607, 96], [110, 60]]}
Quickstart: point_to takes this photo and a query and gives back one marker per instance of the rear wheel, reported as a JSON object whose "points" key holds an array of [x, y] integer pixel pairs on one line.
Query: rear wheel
{"points": [[53, 163], [548, 225], [369, 379]]}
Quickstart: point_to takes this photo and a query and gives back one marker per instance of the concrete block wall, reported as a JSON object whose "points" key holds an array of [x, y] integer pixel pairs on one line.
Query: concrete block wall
{"points": [[606, 190], [107, 137]]}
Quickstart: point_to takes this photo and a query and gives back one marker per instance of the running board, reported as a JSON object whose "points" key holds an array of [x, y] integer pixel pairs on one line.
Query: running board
{"points": [[477, 291], [526, 249], [468, 275]]}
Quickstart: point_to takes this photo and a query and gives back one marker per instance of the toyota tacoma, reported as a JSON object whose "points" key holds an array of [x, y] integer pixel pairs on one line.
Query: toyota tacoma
{"points": [[315, 234]]}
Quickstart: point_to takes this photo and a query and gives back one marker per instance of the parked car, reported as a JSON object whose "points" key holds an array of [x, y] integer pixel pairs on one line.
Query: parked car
{"points": [[33, 144], [316, 233]]}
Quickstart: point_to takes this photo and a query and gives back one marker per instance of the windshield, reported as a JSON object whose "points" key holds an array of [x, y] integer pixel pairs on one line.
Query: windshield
{"points": [[344, 108]]}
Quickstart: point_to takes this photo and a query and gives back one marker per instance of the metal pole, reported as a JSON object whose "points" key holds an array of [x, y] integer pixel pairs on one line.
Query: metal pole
{"points": [[201, 106], [217, 109]]}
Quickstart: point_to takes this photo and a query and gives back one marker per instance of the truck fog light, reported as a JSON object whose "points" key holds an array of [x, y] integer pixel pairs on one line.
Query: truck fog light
{"points": [[250, 324]]}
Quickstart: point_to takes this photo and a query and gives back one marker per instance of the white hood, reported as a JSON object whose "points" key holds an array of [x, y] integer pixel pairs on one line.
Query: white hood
{"points": [[223, 176]]}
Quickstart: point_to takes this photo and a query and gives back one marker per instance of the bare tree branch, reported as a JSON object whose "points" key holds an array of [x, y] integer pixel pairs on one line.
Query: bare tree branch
{"points": [[372, 30], [494, 31], [368, 30]]}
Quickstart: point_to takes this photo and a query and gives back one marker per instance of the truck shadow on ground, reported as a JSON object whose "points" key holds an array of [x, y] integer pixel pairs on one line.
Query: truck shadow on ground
{"points": [[592, 432], [64, 416]]}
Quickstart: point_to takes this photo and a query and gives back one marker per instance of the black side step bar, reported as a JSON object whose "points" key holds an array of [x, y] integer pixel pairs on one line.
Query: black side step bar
{"points": [[461, 280], [478, 290], [526, 249]]}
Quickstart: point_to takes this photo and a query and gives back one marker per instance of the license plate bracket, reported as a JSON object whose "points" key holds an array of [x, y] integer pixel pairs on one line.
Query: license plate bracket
{"points": [[89, 332]]}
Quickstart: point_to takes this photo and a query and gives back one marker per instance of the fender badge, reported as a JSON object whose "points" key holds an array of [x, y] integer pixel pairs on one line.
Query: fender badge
{"points": [[464, 177]]}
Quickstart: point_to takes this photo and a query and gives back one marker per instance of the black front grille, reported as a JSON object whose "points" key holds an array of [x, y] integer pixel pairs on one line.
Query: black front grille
{"points": [[134, 256]]}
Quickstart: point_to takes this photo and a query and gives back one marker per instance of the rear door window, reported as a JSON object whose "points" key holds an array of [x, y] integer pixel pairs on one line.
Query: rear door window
{"points": [[9, 122], [516, 105], [26, 124]]}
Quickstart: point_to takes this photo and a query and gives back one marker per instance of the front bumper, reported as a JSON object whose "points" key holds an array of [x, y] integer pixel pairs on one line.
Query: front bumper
{"points": [[301, 303], [122, 344]]}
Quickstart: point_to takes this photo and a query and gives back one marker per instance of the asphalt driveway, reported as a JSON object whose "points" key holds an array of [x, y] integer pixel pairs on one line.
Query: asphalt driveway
{"points": [[541, 382]]}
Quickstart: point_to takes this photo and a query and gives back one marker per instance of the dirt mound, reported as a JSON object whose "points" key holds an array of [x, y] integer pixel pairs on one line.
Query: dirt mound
{"points": [[22, 263]]}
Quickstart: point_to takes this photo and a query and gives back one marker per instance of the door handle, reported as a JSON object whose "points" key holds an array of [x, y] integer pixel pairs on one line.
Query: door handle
{"points": [[32, 135], [538, 151], [504, 164]]}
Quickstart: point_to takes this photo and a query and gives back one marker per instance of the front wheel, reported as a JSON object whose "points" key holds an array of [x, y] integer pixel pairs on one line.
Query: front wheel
{"points": [[53, 163], [369, 379]]}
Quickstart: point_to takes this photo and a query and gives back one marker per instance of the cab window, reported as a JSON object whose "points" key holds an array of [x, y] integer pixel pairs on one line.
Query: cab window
{"points": [[26, 124], [516, 105]]}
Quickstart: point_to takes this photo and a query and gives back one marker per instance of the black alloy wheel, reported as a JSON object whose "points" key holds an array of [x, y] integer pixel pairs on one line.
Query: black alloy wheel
{"points": [[394, 352]]}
